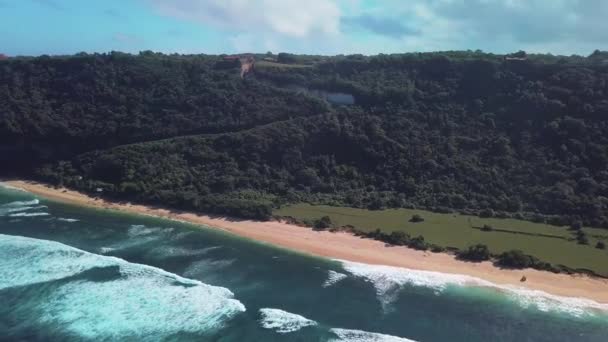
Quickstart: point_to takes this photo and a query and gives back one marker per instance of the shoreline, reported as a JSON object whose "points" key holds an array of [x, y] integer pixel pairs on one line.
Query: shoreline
{"points": [[346, 246]]}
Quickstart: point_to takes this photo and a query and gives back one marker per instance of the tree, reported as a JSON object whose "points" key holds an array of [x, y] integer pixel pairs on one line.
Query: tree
{"points": [[487, 228], [286, 58], [478, 252]]}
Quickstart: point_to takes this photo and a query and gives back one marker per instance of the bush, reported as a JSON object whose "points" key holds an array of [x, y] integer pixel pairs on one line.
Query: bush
{"points": [[487, 228], [600, 245], [286, 58], [486, 213], [323, 223], [582, 238], [418, 243], [437, 249], [477, 252], [416, 218], [516, 259], [576, 225], [399, 238]]}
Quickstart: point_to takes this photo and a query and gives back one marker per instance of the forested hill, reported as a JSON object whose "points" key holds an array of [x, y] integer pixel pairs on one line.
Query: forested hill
{"points": [[467, 131]]}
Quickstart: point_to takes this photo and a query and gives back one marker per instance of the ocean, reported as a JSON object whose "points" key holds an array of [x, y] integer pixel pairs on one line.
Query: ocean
{"points": [[70, 273]]}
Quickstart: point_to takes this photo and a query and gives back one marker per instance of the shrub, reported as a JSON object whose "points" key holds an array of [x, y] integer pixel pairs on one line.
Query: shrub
{"points": [[437, 249], [399, 238], [416, 218], [582, 238], [516, 259], [477, 252], [486, 213], [418, 243], [576, 225], [323, 223], [487, 228], [600, 245]]}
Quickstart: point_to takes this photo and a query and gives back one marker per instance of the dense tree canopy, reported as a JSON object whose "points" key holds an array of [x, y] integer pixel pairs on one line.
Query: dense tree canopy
{"points": [[464, 131]]}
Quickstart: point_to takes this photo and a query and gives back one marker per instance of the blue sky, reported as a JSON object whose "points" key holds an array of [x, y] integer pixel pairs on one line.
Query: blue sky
{"points": [[34, 27]]}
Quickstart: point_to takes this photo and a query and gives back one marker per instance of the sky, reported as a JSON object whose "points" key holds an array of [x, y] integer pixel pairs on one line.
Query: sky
{"points": [[328, 27]]}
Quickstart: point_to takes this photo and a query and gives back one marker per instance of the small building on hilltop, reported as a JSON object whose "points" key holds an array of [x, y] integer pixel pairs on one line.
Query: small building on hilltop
{"points": [[245, 62]]}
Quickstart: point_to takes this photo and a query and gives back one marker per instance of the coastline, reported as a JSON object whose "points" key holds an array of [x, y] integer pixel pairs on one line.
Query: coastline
{"points": [[345, 246]]}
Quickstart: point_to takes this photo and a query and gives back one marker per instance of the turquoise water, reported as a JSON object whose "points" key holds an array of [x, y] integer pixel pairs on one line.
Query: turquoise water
{"points": [[77, 274]]}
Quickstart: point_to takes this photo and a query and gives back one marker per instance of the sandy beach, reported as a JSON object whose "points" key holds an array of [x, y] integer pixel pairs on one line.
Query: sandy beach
{"points": [[346, 246]]}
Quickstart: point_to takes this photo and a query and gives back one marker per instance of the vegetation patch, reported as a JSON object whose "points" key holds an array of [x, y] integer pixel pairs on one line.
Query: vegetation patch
{"points": [[549, 247]]}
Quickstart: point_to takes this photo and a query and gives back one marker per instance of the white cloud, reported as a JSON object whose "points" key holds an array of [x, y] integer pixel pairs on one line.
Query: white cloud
{"points": [[293, 18], [355, 26]]}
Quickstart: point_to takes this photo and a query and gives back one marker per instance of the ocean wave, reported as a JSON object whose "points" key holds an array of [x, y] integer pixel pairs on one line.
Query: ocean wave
{"points": [[10, 187], [106, 250], [206, 266], [8, 210], [348, 335], [137, 230], [388, 281], [35, 201], [141, 302], [163, 252], [28, 214], [67, 219], [333, 278], [282, 321]]}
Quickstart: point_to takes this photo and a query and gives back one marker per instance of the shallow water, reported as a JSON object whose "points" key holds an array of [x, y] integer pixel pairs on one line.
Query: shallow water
{"points": [[80, 274]]}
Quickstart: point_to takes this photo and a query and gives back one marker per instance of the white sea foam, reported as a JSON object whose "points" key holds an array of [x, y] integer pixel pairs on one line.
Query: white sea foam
{"points": [[67, 219], [21, 203], [282, 321], [389, 281], [163, 252], [206, 266], [144, 302], [106, 250], [8, 210], [137, 230], [10, 187], [347, 335], [25, 261], [28, 214], [333, 278]]}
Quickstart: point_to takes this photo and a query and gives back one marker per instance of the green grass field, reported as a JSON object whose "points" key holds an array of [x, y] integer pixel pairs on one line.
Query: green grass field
{"points": [[453, 230]]}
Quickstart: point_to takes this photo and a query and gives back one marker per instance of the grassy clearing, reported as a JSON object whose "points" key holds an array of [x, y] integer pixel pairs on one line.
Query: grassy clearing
{"points": [[454, 230]]}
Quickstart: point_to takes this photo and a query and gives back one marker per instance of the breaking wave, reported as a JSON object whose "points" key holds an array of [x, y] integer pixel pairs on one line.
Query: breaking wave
{"points": [[206, 266], [388, 281], [29, 214], [333, 278], [123, 300], [348, 335], [163, 252], [15, 209], [21, 203], [282, 321], [67, 219], [139, 235], [286, 322]]}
